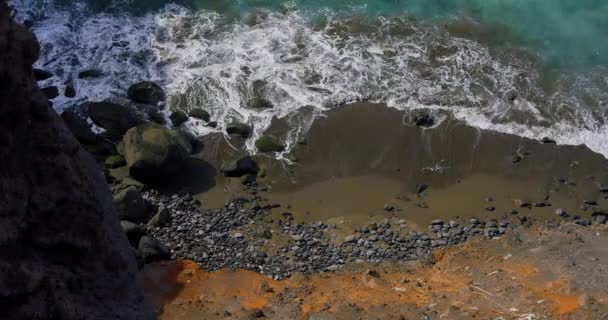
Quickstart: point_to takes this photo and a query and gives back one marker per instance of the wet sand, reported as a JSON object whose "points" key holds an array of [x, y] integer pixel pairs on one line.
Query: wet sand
{"points": [[363, 156]]}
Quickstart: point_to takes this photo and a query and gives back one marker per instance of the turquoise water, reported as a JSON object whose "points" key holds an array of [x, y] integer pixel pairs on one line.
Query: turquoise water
{"points": [[566, 33]]}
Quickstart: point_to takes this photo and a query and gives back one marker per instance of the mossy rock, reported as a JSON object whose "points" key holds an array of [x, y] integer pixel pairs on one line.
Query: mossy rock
{"points": [[268, 144], [155, 153], [199, 113], [292, 157], [115, 161], [259, 103], [241, 129], [178, 117]]}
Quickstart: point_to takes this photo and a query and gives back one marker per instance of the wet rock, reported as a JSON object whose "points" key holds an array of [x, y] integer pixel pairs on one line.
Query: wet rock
{"points": [[156, 116], [116, 119], [70, 91], [423, 120], [239, 129], [88, 74], [490, 208], [79, 127], [133, 231], [133, 207], [421, 188], [155, 153], [51, 92], [259, 103], [241, 167], [178, 117], [212, 124], [547, 140], [153, 250], [520, 203], [41, 75], [268, 143], [201, 114], [590, 202], [146, 92]]}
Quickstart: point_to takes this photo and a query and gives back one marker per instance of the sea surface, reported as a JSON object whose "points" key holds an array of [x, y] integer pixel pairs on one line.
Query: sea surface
{"points": [[532, 68]]}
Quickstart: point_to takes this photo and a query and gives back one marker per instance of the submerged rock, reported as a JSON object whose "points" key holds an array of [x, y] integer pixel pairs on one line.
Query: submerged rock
{"points": [[241, 167], [259, 103], [154, 153], [116, 119], [199, 113], [268, 144], [547, 140], [146, 92]]}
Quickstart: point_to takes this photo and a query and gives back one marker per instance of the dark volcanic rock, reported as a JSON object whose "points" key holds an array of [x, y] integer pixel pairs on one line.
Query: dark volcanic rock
{"points": [[70, 91], [133, 231], [155, 153], [146, 92], [64, 255], [51, 92], [268, 144], [90, 74], [241, 167], [153, 250], [40, 74], [547, 140], [79, 127], [116, 119], [259, 103], [133, 207]]}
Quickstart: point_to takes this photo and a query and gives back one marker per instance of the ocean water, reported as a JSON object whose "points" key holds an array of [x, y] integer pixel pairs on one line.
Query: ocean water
{"points": [[532, 68]]}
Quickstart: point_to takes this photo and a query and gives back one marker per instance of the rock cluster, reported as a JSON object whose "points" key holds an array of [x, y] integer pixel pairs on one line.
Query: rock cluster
{"points": [[63, 254]]}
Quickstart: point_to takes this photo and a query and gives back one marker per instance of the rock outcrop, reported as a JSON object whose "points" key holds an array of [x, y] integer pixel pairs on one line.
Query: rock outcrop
{"points": [[154, 153], [63, 254]]}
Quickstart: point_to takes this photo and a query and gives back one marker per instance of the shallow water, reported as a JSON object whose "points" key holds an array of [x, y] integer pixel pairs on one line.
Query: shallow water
{"points": [[529, 68]]}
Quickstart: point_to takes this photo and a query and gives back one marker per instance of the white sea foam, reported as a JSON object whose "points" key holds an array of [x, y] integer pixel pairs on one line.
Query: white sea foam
{"points": [[219, 64]]}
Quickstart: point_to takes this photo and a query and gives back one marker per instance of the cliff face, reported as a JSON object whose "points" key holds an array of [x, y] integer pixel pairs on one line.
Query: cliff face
{"points": [[62, 252]]}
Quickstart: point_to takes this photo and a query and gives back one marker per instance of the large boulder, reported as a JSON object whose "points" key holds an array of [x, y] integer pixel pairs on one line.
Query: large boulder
{"points": [[199, 113], [64, 255], [178, 117], [133, 207], [268, 143], [116, 119], [154, 153], [133, 231], [239, 129], [153, 250], [259, 103], [146, 92], [241, 167], [79, 127]]}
